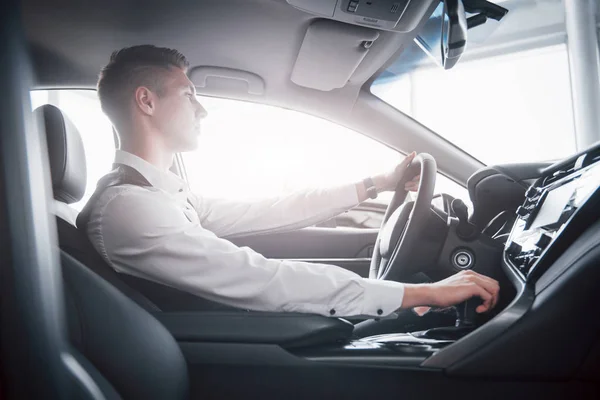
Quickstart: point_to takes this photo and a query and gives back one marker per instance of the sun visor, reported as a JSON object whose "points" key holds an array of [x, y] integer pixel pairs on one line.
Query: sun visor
{"points": [[226, 81], [330, 53]]}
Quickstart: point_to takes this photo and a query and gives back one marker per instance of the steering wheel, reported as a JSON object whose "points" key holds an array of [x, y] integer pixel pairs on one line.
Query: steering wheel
{"points": [[403, 223]]}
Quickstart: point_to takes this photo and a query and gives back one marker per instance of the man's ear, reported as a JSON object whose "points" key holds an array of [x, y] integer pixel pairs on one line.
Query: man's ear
{"points": [[145, 100]]}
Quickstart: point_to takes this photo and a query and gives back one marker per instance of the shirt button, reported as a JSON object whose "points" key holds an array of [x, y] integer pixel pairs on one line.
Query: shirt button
{"points": [[379, 312], [332, 312], [180, 190]]}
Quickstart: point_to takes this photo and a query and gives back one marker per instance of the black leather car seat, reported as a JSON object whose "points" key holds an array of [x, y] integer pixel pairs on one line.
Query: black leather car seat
{"points": [[132, 350], [126, 350], [69, 175], [64, 144], [68, 170]]}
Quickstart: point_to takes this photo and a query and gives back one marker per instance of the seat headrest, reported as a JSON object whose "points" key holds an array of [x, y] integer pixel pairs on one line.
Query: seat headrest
{"points": [[66, 154]]}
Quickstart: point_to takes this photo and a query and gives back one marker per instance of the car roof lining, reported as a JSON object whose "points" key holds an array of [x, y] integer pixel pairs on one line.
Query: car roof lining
{"points": [[70, 42]]}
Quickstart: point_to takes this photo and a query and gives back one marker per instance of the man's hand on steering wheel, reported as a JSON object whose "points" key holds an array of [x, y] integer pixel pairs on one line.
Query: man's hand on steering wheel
{"points": [[389, 180], [453, 290]]}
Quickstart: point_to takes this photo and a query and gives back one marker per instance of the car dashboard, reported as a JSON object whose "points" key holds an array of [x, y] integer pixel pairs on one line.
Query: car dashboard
{"points": [[550, 257], [558, 206]]}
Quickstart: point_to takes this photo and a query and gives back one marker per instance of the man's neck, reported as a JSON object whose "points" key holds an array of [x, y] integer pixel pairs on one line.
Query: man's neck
{"points": [[142, 140], [159, 158]]}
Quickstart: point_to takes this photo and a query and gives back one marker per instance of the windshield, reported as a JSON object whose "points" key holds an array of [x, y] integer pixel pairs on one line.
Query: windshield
{"points": [[507, 100]]}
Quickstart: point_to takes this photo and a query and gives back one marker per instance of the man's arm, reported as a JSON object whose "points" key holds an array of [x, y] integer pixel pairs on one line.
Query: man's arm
{"points": [[145, 235], [228, 218], [298, 210]]}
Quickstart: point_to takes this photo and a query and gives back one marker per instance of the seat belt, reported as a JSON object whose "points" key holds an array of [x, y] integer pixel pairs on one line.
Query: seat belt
{"points": [[121, 175]]}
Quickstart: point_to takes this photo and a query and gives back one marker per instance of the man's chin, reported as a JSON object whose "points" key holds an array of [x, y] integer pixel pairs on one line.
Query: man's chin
{"points": [[189, 145], [192, 146]]}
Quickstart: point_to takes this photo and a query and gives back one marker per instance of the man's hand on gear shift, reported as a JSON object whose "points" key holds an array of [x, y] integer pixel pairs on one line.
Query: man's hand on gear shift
{"points": [[453, 290]]}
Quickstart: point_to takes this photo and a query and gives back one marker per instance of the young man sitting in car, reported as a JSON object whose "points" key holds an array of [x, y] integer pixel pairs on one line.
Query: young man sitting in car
{"points": [[153, 227]]}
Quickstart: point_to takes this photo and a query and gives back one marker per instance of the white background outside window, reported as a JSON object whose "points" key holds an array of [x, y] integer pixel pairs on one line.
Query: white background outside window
{"points": [[504, 109], [249, 150]]}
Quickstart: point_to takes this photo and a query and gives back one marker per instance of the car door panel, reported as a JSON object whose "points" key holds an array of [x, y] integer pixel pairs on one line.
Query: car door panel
{"points": [[348, 248], [359, 266]]}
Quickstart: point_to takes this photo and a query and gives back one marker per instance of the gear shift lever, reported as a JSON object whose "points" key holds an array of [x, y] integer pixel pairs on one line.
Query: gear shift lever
{"points": [[465, 323], [465, 312]]}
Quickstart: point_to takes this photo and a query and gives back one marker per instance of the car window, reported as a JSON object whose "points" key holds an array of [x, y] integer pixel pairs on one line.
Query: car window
{"points": [[249, 151], [82, 107]]}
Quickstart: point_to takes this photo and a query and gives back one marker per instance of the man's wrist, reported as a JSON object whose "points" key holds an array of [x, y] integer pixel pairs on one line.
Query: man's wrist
{"points": [[418, 295], [380, 183], [370, 188]]}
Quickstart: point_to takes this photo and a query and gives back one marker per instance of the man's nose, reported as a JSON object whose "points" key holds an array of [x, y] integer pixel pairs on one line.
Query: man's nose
{"points": [[201, 111]]}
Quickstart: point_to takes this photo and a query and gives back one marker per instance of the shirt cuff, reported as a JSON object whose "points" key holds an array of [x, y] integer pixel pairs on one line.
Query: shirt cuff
{"points": [[381, 298]]}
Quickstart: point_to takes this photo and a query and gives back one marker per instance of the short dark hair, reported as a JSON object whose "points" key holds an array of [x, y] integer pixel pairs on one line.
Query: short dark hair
{"points": [[130, 68]]}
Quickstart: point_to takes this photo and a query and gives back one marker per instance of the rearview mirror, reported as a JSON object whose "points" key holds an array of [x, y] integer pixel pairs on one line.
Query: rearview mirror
{"points": [[444, 35]]}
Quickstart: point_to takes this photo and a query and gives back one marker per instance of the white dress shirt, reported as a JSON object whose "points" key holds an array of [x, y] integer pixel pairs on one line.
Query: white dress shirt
{"points": [[167, 234]]}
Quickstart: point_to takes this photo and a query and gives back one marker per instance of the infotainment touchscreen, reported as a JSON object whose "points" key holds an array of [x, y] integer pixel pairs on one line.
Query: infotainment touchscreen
{"points": [[561, 201], [545, 213], [554, 205]]}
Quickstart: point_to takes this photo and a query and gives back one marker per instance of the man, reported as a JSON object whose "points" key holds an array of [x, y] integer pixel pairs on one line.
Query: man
{"points": [[160, 231]]}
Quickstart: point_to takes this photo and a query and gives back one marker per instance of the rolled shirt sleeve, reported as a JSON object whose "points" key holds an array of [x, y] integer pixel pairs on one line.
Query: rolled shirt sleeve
{"points": [[146, 235]]}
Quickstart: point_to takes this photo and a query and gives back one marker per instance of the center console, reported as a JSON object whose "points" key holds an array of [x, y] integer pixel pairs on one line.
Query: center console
{"points": [[407, 350], [397, 349], [555, 209]]}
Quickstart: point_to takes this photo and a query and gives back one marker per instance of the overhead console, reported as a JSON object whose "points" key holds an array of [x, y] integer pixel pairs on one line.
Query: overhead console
{"points": [[392, 15]]}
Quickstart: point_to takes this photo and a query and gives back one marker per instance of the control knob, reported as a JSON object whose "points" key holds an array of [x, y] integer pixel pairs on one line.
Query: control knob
{"points": [[543, 241], [514, 249], [522, 211], [532, 191]]}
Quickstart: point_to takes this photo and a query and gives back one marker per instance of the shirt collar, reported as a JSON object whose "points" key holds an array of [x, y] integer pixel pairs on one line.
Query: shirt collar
{"points": [[166, 181]]}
